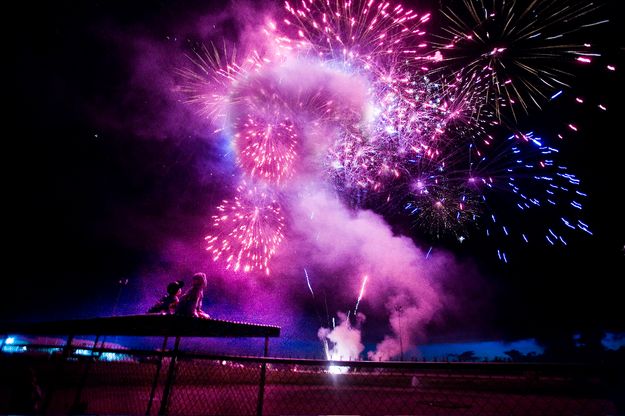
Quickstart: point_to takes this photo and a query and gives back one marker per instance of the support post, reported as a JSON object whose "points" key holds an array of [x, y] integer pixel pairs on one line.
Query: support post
{"points": [[57, 372], [170, 378], [263, 376], [159, 365], [75, 409]]}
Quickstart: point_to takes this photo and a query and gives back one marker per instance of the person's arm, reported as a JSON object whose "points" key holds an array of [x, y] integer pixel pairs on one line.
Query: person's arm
{"points": [[198, 308]]}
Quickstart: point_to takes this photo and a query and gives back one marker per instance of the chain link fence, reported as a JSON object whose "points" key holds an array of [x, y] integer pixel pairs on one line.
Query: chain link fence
{"points": [[57, 380]]}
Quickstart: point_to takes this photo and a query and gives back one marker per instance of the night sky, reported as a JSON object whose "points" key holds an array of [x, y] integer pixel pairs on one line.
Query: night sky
{"points": [[103, 178]]}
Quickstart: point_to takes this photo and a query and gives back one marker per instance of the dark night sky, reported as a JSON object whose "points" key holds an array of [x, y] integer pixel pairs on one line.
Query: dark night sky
{"points": [[90, 199]]}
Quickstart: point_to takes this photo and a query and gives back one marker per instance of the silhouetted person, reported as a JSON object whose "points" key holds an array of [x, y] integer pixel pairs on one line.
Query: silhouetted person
{"points": [[191, 302], [168, 303]]}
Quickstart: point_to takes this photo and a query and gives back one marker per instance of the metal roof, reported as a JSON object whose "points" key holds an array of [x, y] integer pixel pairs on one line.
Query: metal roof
{"points": [[143, 325]]}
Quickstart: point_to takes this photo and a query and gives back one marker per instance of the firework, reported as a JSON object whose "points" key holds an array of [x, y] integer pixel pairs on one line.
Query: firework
{"points": [[248, 230], [513, 54], [369, 34], [526, 171], [266, 150], [208, 81], [423, 138]]}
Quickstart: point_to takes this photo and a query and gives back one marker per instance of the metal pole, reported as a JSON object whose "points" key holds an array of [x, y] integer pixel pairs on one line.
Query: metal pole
{"points": [[159, 365], [170, 378], [122, 283], [83, 380], [57, 373], [401, 342], [400, 310], [263, 375]]}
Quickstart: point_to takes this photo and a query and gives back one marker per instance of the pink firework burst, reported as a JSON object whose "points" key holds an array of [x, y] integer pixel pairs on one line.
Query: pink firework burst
{"points": [[366, 32], [247, 230], [266, 150]]}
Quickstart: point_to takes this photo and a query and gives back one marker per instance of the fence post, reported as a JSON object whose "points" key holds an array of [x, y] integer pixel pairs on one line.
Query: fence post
{"points": [[57, 372], [159, 365], [75, 409], [170, 377], [263, 374]]}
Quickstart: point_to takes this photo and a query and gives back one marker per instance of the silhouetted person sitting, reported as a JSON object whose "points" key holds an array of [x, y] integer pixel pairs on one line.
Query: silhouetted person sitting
{"points": [[167, 304], [191, 302]]}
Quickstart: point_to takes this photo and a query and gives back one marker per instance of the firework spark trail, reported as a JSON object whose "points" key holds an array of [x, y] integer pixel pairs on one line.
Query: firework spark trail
{"points": [[308, 283], [362, 291]]}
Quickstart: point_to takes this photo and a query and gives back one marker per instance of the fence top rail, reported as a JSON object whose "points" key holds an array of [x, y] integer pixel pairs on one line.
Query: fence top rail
{"points": [[493, 367], [144, 325], [580, 369]]}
